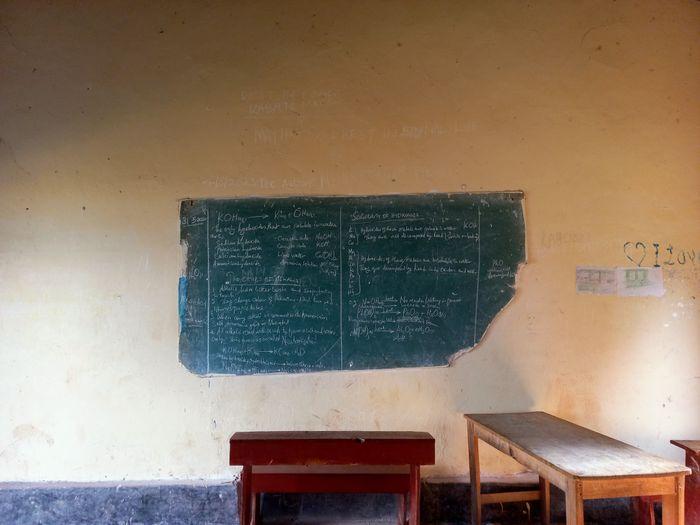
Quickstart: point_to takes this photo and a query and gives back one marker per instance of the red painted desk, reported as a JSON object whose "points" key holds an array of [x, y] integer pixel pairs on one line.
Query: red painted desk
{"points": [[412, 449], [692, 482]]}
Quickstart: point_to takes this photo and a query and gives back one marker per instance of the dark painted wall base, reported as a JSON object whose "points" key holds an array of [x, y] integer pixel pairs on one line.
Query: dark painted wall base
{"points": [[443, 503]]}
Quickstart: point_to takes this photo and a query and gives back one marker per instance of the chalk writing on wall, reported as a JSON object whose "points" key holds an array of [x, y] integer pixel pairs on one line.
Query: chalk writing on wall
{"points": [[306, 284]]}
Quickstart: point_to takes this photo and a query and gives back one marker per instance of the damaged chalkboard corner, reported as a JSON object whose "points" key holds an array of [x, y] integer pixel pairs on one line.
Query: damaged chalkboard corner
{"points": [[478, 342], [451, 360]]}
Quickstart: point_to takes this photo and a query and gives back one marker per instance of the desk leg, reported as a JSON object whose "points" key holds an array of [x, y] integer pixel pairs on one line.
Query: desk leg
{"points": [[643, 510], [672, 504], [474, 474], [244, 495], [544, 502], [401, 508], [692, 488], [255, 510], [574, 502], [414, 517]]}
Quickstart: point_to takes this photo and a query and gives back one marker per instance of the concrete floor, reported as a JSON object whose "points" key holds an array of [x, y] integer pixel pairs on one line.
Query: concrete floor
{"points": [[442, 504]]}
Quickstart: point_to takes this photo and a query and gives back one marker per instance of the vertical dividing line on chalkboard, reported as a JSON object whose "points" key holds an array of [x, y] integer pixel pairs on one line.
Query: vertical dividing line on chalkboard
{"points": [[208, 290], [340, 301], [478, 270]]}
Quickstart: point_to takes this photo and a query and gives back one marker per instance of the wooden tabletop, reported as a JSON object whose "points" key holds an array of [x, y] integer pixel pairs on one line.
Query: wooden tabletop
{"points": [[689, 445], [574, 450], [313, 435], [332, 448]]}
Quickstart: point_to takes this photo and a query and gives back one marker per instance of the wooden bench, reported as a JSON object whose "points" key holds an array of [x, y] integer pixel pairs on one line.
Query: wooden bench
{"points": [[583, 463], [411, 449]]}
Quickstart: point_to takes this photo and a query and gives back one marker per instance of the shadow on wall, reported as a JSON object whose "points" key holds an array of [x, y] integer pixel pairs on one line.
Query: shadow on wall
{"points": [[482, 381]]}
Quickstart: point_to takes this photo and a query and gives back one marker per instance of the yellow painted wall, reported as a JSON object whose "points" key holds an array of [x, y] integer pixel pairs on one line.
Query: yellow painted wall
{"points": [[112, 111]]}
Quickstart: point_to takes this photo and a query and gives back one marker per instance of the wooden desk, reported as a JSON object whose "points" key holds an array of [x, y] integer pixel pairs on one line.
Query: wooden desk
{"points": [[583, 463], [692, 482], [412, 449], [644, 507]]}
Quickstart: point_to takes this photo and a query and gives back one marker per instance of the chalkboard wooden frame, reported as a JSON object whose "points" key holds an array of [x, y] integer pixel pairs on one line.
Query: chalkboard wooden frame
{"points": [[315, 283]]}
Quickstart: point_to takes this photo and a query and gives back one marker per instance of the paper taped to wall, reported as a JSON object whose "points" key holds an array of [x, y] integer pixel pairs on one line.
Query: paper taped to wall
{"points": [[624, 282], [640, 282], [597, 281]]}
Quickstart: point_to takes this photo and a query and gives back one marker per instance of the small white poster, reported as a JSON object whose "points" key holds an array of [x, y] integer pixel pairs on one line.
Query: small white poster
{"points": [[637, 282], [624, 282], [597, 281]]}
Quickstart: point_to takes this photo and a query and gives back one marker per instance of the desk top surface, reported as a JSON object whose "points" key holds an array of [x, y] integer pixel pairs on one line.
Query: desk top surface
{"points": [[332, 448], [335, 435], [690, 445], [572, 449]]}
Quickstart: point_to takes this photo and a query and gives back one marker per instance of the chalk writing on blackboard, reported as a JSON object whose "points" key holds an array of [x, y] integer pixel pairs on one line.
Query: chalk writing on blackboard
{"points": [[305, 284]]}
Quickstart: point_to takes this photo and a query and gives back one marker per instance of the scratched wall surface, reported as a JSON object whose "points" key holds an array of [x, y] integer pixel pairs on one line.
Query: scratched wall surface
{"points": [[113, 111]]}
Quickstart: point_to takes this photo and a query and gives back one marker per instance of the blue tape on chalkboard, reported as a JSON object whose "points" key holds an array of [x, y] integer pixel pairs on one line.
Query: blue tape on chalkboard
{"points": [[182, 301]]}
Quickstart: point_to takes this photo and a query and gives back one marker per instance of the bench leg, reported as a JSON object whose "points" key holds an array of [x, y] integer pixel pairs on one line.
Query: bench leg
{"points": [[414, 483], [574, 503], [255, 510], [544, 502], [244, 495], [474, 474], [401, 509], [643, 510], [672, 504]]}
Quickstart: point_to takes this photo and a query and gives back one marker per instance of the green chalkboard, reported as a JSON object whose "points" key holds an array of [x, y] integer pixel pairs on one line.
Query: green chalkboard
{"points": [[304, 284]]}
